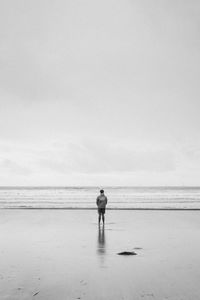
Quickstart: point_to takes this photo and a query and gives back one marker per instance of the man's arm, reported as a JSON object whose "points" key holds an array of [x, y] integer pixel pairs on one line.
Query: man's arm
{"points": [[97, 201]]}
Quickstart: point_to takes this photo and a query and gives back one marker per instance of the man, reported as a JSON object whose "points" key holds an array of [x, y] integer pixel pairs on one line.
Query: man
{"points": [[101, 204]]}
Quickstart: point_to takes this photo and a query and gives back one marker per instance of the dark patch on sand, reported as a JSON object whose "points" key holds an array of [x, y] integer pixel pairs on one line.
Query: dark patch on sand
{"points": [[148, 295], [127, 253]]}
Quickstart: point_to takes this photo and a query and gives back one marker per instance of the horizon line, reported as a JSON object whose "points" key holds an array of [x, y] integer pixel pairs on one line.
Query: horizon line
{"points": [[98, 187]]}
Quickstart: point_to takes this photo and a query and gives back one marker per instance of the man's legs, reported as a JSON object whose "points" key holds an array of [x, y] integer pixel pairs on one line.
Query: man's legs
{"points": [[101, 213], [103, 218], [99, 217]]}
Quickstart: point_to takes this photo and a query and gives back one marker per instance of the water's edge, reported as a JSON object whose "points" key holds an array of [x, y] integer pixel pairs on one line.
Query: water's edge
{"points": [[83, 198], [91, 208]]}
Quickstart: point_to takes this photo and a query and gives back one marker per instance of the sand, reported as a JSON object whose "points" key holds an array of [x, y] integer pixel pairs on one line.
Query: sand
{"points": [[62, 254]]}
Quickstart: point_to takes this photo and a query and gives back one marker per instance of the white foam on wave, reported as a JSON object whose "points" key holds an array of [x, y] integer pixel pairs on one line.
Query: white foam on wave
{"points": [[85, 197]]}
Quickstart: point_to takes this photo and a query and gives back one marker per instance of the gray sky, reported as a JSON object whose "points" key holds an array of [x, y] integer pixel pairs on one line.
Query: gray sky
{"points": [[99, 92]]}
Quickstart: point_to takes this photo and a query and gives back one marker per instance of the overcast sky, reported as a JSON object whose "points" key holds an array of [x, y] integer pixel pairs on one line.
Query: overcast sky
{"points": [[99, 92]]}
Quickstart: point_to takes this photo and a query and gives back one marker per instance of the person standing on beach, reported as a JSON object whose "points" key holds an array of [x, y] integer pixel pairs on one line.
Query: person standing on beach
{"points": [[101, 204]]}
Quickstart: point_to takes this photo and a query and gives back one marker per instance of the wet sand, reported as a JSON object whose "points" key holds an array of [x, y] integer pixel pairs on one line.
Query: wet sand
{"points": [[62, 254]]}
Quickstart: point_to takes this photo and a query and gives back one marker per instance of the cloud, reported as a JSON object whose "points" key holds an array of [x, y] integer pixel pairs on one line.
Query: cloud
{"points": [[11, 167], [103, 156], [92, 156], [89, 161]]}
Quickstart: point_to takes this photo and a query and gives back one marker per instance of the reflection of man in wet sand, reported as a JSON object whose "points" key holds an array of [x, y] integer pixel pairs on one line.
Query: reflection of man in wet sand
{"points": [[101, 203], [101, 246], [101, 240]]}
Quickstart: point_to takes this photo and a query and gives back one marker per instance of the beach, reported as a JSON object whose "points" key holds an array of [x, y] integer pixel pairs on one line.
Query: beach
{"points": [[62, 254]]}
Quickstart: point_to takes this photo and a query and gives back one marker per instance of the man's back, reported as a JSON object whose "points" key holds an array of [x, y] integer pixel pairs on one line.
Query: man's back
{"points": [[101, 201]]}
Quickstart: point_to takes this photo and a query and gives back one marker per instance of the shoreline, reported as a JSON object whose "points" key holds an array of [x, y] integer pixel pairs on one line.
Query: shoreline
{"points": [[91, 208]]}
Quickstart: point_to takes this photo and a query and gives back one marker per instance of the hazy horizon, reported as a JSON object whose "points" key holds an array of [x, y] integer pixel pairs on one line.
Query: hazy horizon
{"points": [[99, 187]]}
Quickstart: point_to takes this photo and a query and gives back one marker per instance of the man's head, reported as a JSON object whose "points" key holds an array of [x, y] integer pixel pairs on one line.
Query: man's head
{"points": [[102, 191]]}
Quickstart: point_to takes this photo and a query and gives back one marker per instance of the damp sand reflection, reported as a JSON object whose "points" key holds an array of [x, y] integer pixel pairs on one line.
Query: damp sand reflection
{"points": [[101, 244]]}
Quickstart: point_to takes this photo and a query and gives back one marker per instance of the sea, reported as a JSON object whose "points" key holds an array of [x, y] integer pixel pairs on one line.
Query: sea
{"points": [[85, 197]]}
